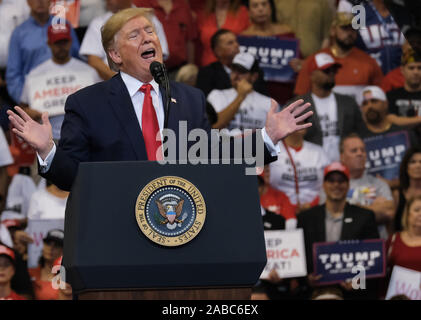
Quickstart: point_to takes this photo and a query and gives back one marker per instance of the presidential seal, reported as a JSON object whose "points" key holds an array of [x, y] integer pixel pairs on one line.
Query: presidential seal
{"points": [[170, 211]]}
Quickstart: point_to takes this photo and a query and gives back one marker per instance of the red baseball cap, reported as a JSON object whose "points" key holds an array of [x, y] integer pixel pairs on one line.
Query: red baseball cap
{"points": [[337, 167], [322, 61], [7, 252], [58, 32]]}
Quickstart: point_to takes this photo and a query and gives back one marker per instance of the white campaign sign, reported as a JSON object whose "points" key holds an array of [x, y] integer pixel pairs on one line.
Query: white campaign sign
{"points": [[404, 281], [285, 253], [49, 93], [38, 229]]}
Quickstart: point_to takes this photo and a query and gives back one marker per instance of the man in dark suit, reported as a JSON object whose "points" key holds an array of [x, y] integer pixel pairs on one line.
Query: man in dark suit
{"points": [[335, 115], [336, 220], [217, 74], [122, 119]]}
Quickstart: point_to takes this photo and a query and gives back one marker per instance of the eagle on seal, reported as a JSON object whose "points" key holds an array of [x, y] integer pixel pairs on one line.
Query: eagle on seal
{"points": [[170, 213]]}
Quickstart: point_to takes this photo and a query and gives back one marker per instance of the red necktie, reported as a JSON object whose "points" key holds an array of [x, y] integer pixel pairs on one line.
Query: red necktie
{"points": [[150, 127]]}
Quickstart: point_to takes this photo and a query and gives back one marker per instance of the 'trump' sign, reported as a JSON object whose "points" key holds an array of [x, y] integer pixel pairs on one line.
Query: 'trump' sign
{"points": [[273, 55], [335, 261]]}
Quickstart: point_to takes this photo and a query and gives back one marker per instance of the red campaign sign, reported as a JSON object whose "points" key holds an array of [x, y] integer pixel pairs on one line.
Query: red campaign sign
{"points": [[68, 9]]}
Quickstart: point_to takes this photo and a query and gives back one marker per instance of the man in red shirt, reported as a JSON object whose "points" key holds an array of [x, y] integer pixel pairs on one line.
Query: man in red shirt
{"points": [[7, 271], [179, 27], [358, 68]]}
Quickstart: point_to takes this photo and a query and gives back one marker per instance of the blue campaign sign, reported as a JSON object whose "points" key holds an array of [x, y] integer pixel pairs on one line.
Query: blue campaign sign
{"points": [[341, 261], [273, 54], [385, 153]]}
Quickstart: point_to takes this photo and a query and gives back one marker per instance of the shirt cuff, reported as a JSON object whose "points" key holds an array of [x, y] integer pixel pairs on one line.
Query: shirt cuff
{"points": [[274, 150], [46, 164]]}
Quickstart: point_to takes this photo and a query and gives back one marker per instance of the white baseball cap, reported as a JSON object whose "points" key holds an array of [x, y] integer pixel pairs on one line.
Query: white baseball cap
{"points": [[322, 61], [244, 60], [372, 92]]}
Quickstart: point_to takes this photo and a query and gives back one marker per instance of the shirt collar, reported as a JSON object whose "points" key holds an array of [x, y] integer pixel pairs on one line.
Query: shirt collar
{"points": [[33, 21], [133, 85]]}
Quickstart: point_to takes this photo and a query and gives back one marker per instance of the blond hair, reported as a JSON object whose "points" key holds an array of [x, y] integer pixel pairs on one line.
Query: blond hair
{"points": [[405, 215], [187, 73], [115, 23]]}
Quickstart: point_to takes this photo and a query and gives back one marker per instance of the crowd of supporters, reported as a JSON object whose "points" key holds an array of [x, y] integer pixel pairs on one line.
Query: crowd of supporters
{"points": [[360, 161]]}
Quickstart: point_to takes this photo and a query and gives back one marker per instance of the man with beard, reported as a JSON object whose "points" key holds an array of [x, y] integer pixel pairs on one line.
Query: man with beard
{"points": [[48, 85], [385, 141], [358, 68], [334, 115]]}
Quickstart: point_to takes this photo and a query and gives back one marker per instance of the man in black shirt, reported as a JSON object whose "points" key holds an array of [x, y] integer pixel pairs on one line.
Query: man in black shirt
{"points": [[406, 101]]}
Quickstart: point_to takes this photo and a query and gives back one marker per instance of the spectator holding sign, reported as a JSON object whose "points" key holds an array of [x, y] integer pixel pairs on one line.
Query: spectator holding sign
{"points": [[42, 275], [48, 85], [358, 68], [335, 115], [385, 141], [380, 37], [260, 12], [28, 46], [410, 182], [241, 107], [336, 220]]}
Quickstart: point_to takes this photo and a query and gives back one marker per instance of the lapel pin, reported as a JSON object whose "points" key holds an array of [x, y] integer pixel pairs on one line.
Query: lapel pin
{"points": [[348, 220], [173, 100]]}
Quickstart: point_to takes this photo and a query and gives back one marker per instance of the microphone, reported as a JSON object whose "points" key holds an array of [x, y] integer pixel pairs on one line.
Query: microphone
{"points": [[159, 73]]}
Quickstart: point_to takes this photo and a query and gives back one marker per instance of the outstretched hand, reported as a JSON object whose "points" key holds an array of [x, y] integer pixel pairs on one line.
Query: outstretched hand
{"points": [[281, 124], [38, 135]]}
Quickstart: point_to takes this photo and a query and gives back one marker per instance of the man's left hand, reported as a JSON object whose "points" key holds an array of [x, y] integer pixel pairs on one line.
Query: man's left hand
{"points": [[281, 124]]}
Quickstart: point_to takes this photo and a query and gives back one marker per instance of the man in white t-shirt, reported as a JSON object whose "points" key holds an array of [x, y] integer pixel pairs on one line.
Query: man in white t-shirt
{"points": [[335, 115], [240, 107], [298, 172], [92, 48], [48, 85]]}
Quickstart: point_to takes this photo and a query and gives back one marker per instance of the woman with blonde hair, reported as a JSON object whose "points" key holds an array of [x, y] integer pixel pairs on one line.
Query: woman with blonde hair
{"points": [[404, 248]]}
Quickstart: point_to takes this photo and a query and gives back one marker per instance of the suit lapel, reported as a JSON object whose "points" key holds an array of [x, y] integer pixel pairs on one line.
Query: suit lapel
{"points": [[123, 109], [347, 224], [341, 114], [321, 224]]}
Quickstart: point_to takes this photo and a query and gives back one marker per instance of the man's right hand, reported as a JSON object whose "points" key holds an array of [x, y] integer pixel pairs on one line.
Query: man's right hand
{"points": [[244, 87], [38, 135]]}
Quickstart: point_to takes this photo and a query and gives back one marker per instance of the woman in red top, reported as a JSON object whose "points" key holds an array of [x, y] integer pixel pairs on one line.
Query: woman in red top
{"points": [[7, 271], [42, 276], [219, 14], [404, 248], [263, 24]]}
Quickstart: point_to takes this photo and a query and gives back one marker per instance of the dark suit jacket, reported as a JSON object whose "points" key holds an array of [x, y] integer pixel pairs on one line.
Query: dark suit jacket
{"points": [[213, 76], [349, 118], [100, 125], [361, 225]]}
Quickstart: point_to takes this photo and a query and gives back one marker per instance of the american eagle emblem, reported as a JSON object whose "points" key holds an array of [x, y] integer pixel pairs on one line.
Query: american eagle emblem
{"points": [[170, 212]]}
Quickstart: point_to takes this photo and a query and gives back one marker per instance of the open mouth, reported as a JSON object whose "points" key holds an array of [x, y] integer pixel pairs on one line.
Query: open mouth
{"points": [[148, 54]]}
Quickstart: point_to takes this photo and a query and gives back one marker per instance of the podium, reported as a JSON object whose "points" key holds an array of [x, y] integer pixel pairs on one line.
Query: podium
{"points": [[107, 256]]}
